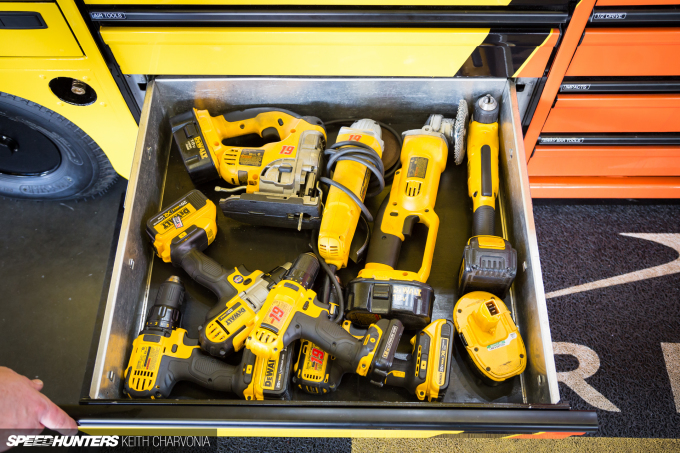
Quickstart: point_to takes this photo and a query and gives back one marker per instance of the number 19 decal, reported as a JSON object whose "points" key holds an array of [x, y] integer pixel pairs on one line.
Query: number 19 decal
{"points": [[278, 313], [355, 137], [287, 149]]}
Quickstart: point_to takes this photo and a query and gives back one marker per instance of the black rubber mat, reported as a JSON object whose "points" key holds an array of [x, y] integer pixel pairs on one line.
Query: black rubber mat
{"points": [[53, 261], [623, 324]]}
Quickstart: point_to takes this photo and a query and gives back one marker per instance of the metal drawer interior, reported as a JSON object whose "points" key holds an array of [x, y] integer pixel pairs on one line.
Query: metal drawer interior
{"points": [[158, 178]]}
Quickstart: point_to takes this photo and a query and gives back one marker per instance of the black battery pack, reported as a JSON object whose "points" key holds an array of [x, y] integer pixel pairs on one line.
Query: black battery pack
{"points": [[369, 300], [193, 148], [489, 264]]}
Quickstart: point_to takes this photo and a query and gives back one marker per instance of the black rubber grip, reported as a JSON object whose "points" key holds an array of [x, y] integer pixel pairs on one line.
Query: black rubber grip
{"points": [[384, 247], [209, 273], [205, 371], [483, 221], [487, 181], [328, 336]]}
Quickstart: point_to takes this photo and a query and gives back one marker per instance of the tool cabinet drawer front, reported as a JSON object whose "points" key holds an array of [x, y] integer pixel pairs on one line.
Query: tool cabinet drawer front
{"points": [[605, 161], [615, 113], [627, 52], [636, 2], [159, 176], [29, 29], [331, 51]]}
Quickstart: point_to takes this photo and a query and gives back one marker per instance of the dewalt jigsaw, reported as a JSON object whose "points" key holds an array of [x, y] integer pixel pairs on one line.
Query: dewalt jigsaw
{"points": [[280, 177]]}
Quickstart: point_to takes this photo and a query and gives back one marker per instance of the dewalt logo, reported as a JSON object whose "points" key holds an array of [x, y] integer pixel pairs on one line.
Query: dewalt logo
{"points": [[234, 316], [407, 290], [269, 374]]}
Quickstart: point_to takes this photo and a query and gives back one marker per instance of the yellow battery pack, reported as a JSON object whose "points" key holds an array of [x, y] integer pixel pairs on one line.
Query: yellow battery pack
{"points": [[495, 348]]}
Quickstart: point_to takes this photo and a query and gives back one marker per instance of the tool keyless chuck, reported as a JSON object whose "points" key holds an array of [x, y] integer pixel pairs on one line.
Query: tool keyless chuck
{"points": [[486, 110]]}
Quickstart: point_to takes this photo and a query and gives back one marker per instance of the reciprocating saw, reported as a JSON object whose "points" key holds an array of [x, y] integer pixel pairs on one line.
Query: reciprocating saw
{"points": [[179, 235], [163, 355], [381, 290], [489, 261], [293, 312], [280, 177], [425, 372]]}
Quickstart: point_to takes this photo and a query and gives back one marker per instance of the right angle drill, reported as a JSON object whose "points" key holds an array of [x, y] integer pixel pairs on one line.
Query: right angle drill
{"points": [[179, 235], [489, 261], [292, 311], [163, 355]]}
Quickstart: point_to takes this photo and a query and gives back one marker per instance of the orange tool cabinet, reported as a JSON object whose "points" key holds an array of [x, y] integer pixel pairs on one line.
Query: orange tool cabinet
{"points": [[607, 124]]}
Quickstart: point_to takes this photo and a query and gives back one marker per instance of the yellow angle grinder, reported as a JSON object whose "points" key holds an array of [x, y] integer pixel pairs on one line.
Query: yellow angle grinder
{"points": [[381, 290]]}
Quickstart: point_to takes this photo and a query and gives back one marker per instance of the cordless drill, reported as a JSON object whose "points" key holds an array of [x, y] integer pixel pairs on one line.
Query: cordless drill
{"points": [[163, 355], [179, 235], [280, 177], [357, 150], [380, 289], [425, 372], [293, 312], [489, 261]]}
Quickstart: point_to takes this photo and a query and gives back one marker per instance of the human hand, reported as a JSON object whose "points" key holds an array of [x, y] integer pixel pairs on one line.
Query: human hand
{"points": [[23, 408]]}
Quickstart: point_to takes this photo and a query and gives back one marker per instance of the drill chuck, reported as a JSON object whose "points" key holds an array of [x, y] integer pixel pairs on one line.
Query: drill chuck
{"points": [[304, 270], [165, 314], [486, 110]]}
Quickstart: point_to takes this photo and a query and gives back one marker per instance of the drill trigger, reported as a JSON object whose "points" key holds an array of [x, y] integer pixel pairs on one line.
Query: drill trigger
{"points": [[409, 222]]}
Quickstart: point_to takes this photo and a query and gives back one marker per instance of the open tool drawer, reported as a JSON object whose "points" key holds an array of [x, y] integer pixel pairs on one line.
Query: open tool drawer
{"points": [[528, 403]]}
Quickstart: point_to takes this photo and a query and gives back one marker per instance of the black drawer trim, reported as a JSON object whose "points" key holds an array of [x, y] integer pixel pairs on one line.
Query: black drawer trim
{"points": [[585, 86], [653, 139], [323, 416], [321, 17]]}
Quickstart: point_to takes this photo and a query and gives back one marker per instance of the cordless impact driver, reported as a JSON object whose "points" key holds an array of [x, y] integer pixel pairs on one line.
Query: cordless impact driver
{"points": [[179, 235], [489, 261], [279, 178], [425, 372], [381, 290], [163, 355], [293, 312]]}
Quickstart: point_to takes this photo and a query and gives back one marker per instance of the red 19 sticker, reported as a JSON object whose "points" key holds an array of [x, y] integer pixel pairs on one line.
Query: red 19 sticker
{"points": [[278, 313], [355, 137], [287, 149], [317, 356]]}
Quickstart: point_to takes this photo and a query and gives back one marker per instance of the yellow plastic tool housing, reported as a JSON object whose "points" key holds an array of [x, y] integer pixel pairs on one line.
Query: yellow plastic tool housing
{"points": [[232, 160], [413, 193], [490, 336], [439, 354], [480, 134], [194, 209], [341, 214]]}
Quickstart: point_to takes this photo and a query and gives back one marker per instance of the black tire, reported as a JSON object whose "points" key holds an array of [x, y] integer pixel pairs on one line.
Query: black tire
{"points": [[82, 168]]}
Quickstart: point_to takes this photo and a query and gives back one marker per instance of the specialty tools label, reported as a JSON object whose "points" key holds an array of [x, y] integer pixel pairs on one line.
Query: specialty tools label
{"points": [[251, 157], [502, 343], [417, 167], [443, 356], [173, 217]]}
